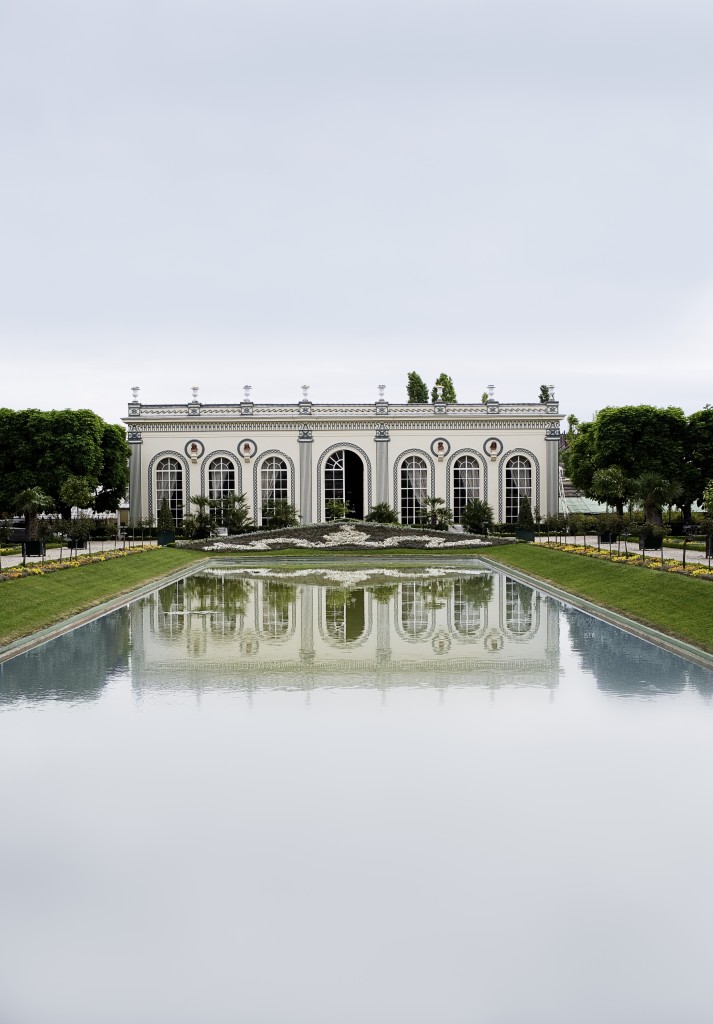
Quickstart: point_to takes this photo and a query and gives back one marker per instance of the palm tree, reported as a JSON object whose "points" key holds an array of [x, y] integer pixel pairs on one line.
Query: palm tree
{"points": [[30, 503], [654, 491], [435, 513]]}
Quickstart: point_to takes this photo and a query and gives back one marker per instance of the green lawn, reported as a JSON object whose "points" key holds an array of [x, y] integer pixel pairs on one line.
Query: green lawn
{"points": [[677, 605], [32, 603]]}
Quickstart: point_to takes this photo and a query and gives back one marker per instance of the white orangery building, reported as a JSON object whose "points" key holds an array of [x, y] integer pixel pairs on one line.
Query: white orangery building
{"points": [[363, 454]]}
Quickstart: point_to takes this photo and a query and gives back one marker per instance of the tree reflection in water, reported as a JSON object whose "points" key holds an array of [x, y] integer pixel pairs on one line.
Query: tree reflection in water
{"points": [[345, 614]]}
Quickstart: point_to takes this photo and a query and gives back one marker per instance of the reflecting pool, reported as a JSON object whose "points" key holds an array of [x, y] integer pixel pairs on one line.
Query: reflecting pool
{"points": [[403, 794]]}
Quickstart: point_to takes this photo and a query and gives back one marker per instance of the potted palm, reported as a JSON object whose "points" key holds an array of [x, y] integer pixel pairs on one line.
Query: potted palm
{"points": [[30, 503]]}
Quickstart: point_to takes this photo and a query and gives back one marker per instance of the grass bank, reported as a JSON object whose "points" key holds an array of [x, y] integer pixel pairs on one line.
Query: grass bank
{"points": [[32, 603], [680, 606]]}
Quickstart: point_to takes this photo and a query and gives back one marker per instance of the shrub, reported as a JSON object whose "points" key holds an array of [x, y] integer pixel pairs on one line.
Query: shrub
{"points": [[477, 516], [336, 509], [382, 513], [279, 514]]}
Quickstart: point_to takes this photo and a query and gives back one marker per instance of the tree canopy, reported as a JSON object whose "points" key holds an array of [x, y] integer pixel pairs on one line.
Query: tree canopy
{"points": [[449, 391], [42, 449], [606, 457], [416, 388]]}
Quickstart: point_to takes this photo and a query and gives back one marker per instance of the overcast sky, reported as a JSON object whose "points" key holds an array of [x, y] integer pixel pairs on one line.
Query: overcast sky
{"points": [[335, 192]]}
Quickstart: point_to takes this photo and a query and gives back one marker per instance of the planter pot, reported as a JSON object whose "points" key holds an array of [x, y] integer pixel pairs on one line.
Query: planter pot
{"points": [[647, 543], [33, 547], [609, 537], [709, 546], [72, 543], [165, 538], [528, 535]]}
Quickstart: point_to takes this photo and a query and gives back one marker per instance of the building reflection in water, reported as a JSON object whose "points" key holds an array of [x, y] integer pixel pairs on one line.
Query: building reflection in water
{"points": [[367, 627]]}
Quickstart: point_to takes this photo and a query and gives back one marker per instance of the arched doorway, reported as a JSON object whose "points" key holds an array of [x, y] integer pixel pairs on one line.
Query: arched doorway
{"points": [[344, 481]]}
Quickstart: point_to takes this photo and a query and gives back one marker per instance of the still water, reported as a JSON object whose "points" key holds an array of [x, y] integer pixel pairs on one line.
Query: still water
{"points": [[385, 796]]}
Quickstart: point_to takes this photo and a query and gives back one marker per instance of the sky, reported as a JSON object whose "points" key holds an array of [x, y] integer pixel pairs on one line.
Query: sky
{"points": [[336, 192]]}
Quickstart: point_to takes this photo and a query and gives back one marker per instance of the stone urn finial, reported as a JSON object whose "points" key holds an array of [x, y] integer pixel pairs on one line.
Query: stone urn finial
{"points": [[247, 389], [135, 393], [491, 391], [381, 389], [194, 392], [305, 392]]}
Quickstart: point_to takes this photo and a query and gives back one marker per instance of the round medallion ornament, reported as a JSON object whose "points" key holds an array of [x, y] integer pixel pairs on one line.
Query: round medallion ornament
{"points": [[194, 449], [440, 447], [247, 448], [493, 447]]}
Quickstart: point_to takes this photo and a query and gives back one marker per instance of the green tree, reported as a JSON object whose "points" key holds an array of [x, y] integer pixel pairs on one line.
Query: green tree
{"points": [[41, 449], [635, 438], [544, 393], [612, 487], [698, 462], [76, 492], [416, 388], [449, 391]]}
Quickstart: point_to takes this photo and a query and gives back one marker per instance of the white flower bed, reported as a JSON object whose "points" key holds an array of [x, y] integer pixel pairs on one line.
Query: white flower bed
{"points": [[346, 535], [346, 577]]}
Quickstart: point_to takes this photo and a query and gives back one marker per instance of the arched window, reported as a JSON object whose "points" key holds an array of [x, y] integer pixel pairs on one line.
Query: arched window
{"points": [[273, 483], [169, 487], [414, 609], [334, 468], [518, 607], [518, 484], [414, 489], [466, 483], [221, 483]]}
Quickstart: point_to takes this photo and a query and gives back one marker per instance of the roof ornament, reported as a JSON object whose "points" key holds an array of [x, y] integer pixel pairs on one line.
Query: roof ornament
{"points": [[135, 393], [305, 392], [194, 392], [247, 389], [491, 391], [381, 389]]}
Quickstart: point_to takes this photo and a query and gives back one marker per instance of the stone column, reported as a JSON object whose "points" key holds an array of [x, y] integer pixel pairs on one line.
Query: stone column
{"points": [[381, 483], [135, 509], [552, 459], [305, 442], [383, 630], [307, 622]]}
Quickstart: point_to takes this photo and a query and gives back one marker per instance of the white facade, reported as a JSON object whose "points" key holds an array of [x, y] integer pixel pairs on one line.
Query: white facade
{"points": [[365, 454]]}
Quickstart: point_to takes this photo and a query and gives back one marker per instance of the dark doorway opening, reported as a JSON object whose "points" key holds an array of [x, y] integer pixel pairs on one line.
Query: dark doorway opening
{"points": [[344, 481], [354, 484]]}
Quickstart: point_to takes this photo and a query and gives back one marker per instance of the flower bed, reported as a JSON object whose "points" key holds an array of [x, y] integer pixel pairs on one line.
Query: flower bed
{"points": [[18, 572], [633, 558], [345, 536]]}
